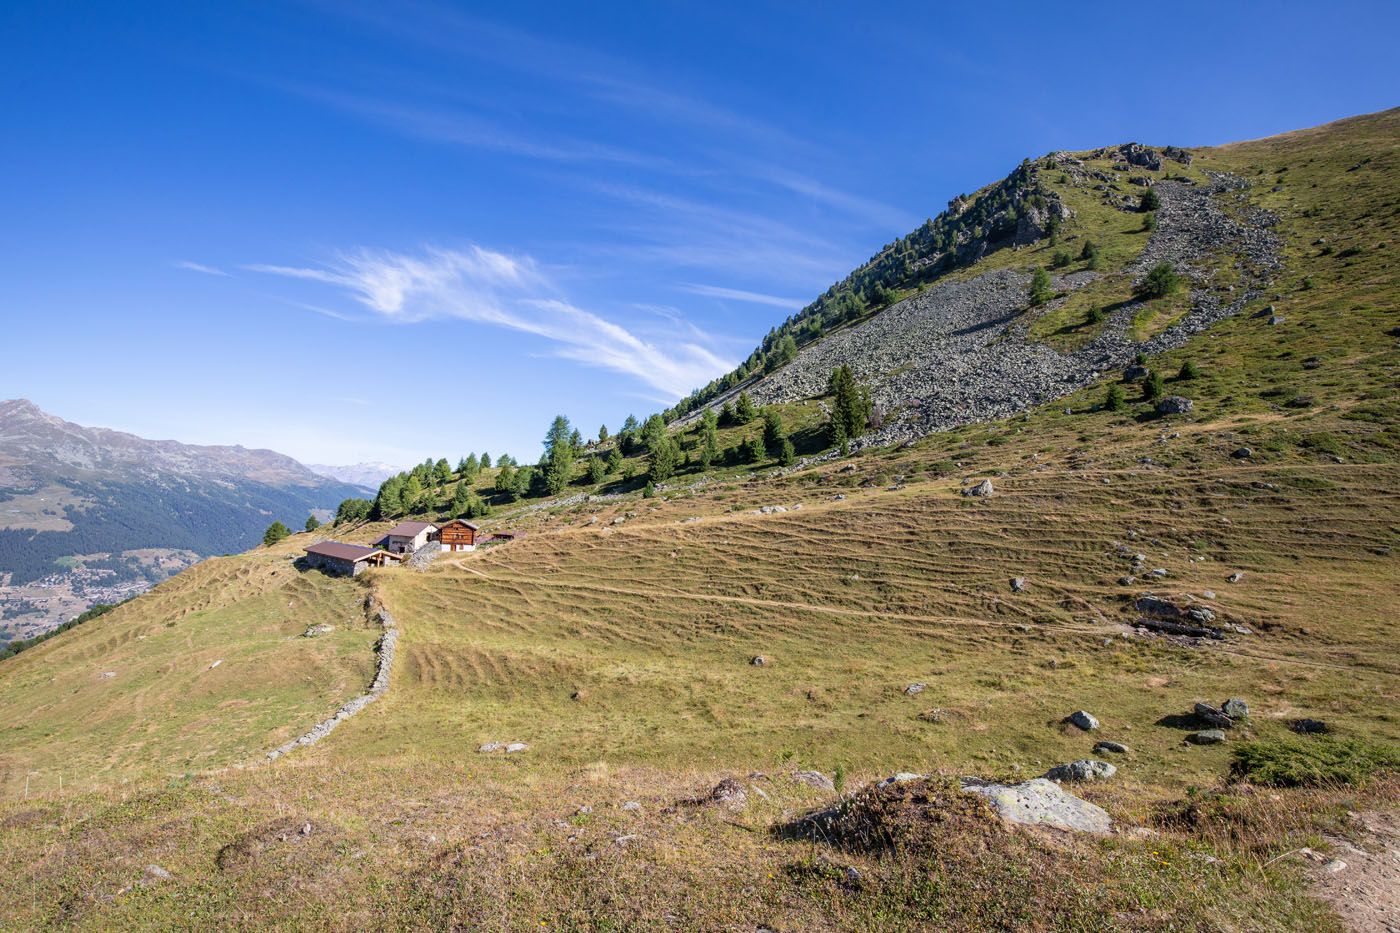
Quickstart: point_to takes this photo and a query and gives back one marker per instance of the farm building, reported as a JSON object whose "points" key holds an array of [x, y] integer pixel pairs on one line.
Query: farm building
{"points": [[407, 537], [458, 535], [345, 559]]}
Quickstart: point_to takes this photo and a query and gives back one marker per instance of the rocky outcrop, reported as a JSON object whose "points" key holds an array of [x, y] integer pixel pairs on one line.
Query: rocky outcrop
{"points": [[1040, 802]]}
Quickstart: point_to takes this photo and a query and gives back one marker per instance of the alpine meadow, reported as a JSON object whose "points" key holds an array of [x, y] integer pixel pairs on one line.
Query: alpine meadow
{"points": [[1040, 573]]}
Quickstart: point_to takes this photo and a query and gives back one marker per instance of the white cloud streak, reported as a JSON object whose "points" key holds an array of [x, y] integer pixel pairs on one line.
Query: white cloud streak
{"points": [[738, 294], [488, 287], [200, 267]]}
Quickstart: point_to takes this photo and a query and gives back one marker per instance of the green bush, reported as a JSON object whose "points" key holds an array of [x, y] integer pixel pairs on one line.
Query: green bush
{"points": [[1189, 370], [1095, 316], [1150, 201], [1162, 280], [1312, 762], [1113, 399], [1060, 260]]}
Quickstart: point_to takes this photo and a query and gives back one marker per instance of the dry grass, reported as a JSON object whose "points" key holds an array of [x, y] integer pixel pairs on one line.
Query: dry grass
{"points": [[621, 654]]}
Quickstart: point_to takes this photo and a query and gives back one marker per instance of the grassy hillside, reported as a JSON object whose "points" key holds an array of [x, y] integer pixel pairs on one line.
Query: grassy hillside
{"points": [[616, 638]]}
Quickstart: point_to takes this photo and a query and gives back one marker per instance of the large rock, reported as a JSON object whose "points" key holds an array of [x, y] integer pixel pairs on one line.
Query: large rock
{"points": [[1206, 737], [1212, 717], [1039, 802], [1083, 720], [981, 490], [1085, 769], [1174, 405]]}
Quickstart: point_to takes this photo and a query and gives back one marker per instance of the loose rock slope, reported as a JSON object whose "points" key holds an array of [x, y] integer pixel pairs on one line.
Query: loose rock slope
{"points": [[960, 353]]}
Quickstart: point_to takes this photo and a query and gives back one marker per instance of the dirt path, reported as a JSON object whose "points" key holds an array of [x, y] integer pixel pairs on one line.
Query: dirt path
{"points": [[1366, 893]]}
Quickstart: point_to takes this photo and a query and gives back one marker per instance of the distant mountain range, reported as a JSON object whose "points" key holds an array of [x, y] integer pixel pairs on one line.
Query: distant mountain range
{"points": [[369, 474], [93, 515]]}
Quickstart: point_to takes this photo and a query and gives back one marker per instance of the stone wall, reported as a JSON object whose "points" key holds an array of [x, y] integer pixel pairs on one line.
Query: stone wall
{"points": [[384, 651]]}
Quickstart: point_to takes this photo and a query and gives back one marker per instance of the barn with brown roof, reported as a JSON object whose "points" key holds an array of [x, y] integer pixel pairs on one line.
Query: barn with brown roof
{"points": [[345, 559]]}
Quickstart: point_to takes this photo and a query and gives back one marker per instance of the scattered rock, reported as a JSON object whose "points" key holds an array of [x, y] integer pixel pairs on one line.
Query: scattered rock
{"points": [[1309, 726], [1135, 373], [1085, 769], [727, 793], [814, 779], [317, 631], [1040, 802], [1018, 584], [1114, 748], [915, 689], [155, 874], [758, 660], [1312, 362], [1235, 577], [1083, 720], [1334, 866], [1235, 708], [981, 490], [1242, 453], [515, 747], [632, 806], [491, 747], [900, 777], [1206, 737]]}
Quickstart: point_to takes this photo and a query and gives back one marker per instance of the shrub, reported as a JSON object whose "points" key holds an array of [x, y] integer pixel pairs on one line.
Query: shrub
{"points": [[787, 454], [1040, 290], [650, 491], [753, 450], [1149, 222], [1312, 762], [1060, 260], [1089, 250], [312, 523], [1161, 280], [1095, 316], [1189, 370], [1113, 399], [1150, 201], [597, 470]]}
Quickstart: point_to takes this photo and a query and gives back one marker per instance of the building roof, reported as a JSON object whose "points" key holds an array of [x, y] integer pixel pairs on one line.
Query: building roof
{"points": [[410, 529], [459, 521], [341, 551]]}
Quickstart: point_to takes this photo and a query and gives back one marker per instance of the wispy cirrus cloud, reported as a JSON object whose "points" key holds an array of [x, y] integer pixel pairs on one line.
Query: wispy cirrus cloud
{"points": [[739, 294], [488, 287], [200, 267]]}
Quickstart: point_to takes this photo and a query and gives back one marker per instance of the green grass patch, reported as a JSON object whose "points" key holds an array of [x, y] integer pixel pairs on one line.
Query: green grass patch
{"points": [[1318, 761]]}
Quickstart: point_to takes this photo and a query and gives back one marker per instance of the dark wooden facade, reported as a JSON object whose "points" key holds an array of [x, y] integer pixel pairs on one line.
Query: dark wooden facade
{"points": [[458, 535]]}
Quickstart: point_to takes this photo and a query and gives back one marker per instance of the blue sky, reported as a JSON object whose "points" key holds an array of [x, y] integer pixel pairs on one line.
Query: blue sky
{"points": [[352, 231]]}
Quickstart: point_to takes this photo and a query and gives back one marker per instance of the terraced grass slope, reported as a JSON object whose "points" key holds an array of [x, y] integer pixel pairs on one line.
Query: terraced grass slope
{"points": [[617, 636], [196, 674]]}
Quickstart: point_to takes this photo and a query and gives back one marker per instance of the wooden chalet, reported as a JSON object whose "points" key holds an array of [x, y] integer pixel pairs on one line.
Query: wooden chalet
{"points": [[458, 535]]}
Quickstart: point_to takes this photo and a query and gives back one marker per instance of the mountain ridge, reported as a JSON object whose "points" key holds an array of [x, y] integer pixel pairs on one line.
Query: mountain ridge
{"points": [[93, 515]]}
